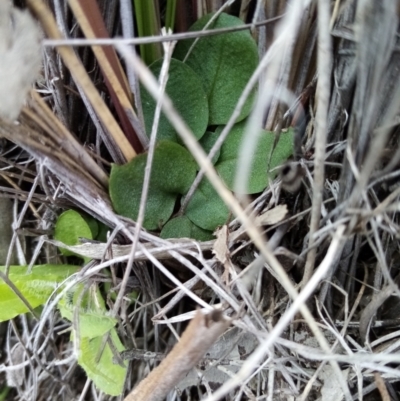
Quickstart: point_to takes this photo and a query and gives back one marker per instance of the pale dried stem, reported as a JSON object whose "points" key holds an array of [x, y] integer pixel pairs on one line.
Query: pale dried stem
{"points": [[117, 82], [168, 49], [198, 337], [321, 119], [81, 77], [67, 141], [153, 39]]}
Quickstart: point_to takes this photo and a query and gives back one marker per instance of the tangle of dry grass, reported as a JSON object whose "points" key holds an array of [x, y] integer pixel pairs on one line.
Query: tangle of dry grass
{"points": [[314, 296]]}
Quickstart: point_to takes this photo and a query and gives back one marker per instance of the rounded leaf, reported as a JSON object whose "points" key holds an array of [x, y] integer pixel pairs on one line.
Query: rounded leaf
{"points": [[207, 142], [173, 172], [174, 168], [71, 226], [93, 224], [182, 227], [186, 91], [206, 209], [224, 63], [227, 164], [126, 184]]}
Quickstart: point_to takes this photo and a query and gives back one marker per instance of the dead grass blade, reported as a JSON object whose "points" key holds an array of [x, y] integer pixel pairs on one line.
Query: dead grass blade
{"points": [[202, 331], [82, 79], [52, 126], [90, 20], [323, 94]]}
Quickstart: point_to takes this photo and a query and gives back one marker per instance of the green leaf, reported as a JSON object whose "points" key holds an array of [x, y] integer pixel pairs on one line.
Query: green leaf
{"points": [[186, 91], [93, 323], [173, 172], [4, 393], [206, 209], [93, 317], [224, 63], [71, 226], [258, 179], [102, 233], [147, 23], [36, 287], [92, 223], [170, 14], [174, 168], [182, 227], [106, 375], [207, 142]]}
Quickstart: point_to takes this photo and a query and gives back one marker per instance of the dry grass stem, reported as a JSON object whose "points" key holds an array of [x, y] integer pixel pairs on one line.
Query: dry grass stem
{"points": [[78, 71], [201, 333]]}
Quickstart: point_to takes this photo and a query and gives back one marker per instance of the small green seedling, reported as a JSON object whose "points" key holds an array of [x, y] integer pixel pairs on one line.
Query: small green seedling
{"points": [[92, 318], [99, 365], [98, 338], [71, 226], [83, 307], [205, 86]]}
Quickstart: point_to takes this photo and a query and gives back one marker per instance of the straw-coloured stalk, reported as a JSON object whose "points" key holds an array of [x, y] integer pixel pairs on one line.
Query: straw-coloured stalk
{"points": [[81, 77], [89, 17]]}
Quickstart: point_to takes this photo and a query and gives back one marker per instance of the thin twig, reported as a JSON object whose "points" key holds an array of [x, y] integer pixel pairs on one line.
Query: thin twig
{"points": [[153, 39], [168, 49], [198, 337], [321, 118], [82, 78]]}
